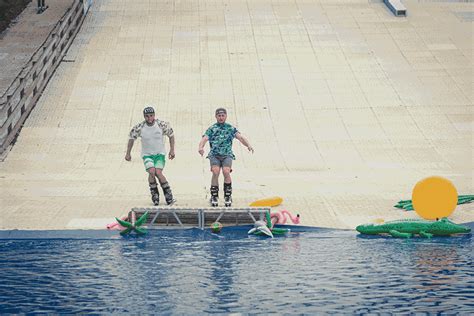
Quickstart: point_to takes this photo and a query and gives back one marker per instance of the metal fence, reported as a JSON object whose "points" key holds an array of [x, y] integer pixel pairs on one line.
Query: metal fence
{"points": [[23, 93]]}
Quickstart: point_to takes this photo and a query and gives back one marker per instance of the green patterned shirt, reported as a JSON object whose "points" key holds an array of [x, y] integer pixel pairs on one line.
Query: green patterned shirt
{"points": [[220, 139]]}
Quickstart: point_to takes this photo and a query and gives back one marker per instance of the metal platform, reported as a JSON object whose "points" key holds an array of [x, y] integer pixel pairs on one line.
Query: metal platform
{"points": [[200, 217]]}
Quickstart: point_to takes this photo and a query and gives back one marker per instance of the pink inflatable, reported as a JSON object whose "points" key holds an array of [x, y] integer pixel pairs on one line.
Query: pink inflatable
{"points": [[280, 218], [115, 225]]}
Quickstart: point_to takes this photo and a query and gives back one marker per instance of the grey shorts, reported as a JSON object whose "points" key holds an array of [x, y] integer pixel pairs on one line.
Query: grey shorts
{"points": [[221, 161]]}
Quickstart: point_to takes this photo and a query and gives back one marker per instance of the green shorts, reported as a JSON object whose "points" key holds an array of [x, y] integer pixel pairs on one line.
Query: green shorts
{"points": [[154, 161]]}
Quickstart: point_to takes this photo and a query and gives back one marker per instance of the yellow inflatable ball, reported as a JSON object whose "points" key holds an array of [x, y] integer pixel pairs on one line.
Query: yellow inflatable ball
{"points": [[434, 198]]}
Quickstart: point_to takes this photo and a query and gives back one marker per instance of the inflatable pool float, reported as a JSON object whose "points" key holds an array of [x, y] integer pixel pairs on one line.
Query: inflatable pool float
{"points": [[268, 202], [262, 228], [134, 224], [282, 216], [407, 205], [409, 227]]}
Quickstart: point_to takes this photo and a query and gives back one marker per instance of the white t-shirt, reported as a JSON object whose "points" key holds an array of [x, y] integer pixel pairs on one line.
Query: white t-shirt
{"points": [[152, 136]]}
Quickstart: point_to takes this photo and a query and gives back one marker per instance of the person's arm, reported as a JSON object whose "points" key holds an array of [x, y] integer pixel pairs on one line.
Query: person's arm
{"points": [[203, 142], [128, 155], [132, 136], [171, 155], [168, 131], [244, 141]]}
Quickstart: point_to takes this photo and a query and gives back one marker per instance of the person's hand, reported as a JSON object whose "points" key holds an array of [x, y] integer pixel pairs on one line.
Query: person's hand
{"points": [[128, 157], [250, 148], [201, 151], [171, 155]]}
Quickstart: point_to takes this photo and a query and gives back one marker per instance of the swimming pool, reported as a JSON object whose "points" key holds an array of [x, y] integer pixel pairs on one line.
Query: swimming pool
{"points": [[191, 271]]}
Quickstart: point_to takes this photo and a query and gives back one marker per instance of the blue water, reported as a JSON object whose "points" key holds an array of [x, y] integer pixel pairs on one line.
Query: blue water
{"points": [[190, 271]]}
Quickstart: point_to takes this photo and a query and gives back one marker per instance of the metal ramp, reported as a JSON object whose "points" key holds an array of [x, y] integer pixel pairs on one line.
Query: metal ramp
{"points": [[200, 217]]}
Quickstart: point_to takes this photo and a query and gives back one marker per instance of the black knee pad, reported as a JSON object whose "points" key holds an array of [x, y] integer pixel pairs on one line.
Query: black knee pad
{"points": [[153, 187], [227, 189], [165, 186], [214, 190]]}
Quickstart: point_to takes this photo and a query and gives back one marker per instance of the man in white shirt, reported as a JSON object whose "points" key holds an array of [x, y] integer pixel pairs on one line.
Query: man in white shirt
{"points": [[151, 131]]}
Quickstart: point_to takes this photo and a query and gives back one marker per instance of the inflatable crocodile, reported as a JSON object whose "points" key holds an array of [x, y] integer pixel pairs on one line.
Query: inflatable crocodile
{"points": [[410, 227]]}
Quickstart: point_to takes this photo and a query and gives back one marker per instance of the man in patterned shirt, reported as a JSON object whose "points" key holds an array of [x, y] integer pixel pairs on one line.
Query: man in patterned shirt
{"points": [[220, 137], [151, 131]]}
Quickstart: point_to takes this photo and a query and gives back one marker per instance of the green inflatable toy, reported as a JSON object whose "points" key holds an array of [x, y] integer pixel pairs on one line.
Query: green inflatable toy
{"points": [[216, 227], [408, 228], [265, 229], [133, 225], [407, 205]]}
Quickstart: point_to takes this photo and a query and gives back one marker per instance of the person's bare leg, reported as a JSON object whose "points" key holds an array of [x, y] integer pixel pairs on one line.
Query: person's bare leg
{"points": [[151, 175], [216, 170], [161, 177], [226, 173]]}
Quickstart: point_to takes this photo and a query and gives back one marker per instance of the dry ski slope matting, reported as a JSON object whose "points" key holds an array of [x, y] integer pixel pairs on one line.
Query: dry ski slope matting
{"points": [[346, 105]]}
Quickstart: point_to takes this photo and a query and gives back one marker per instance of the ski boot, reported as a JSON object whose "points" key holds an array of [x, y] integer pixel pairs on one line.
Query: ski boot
{"points": [[41, 7], [155, 194], [228, 194], [214, 196], [167, 193]]}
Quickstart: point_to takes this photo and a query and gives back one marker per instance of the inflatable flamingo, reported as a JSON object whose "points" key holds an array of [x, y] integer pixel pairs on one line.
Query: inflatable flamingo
{"points": [[115, 225], [280, 218]]}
